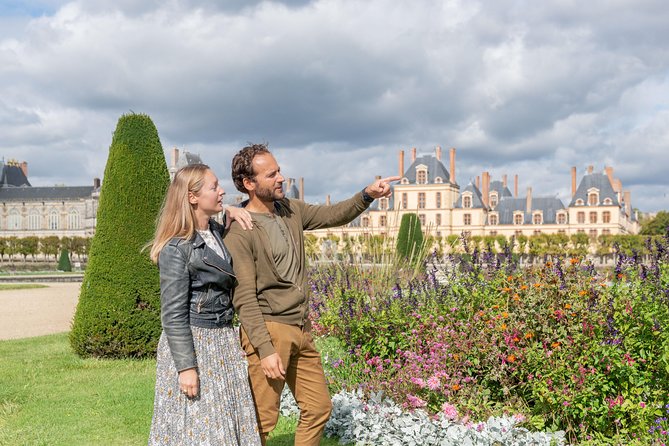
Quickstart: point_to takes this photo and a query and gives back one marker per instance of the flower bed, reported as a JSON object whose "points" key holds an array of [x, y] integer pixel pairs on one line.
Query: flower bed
{"points": [[563, 347]]}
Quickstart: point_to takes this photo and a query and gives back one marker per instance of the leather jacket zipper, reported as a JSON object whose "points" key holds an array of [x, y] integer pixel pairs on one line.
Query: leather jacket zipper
{"points": [[218, 268]]}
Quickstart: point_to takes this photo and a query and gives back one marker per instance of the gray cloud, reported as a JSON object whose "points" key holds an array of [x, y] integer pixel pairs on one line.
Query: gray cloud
{"points": [[338, 87]]}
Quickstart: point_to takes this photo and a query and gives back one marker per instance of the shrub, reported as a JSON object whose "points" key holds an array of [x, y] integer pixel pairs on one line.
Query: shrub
{"points": [[119, 305], [410, 238], [64, 261]]}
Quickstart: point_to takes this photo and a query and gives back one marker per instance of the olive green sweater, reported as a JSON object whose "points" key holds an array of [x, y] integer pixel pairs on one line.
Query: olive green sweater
{"points": [[261, 294]]}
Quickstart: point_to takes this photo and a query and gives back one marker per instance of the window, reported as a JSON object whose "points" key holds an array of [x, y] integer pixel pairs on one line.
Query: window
{"points": [[561, 231], [404, 180], [14, 220], [73, 219], [579, 202], [606, 217], [580, 217], [537, 231], [438, 200], [438, 180], [493, 200], [466, 201], [517, 232], [404, 200], [492, 219], [581, 231], [493, 233], [438, 219], [421, 200], [537, 219], [562, 218], [382, 221], [365, 222], [593, 198], [593, 217], [421, 217], [592, 233], [518, 219], [467, 219], [383, 204], [34, 220], [606, 232], [608, 201], [54, 220], [421, 176]]}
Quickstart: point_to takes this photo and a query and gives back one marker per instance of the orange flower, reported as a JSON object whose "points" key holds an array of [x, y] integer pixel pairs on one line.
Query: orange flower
{"points": [[455, 387], [505, 314], [506, 289], [516, 297], [524, 287], [567, 306], [503, 326], [456, 356], [549, 264], [515, 339], [574, 260], [511, 358], [510, 278], [495, 307], [620, 276], [555, 345], [537, 285], [582, 293], [603, 285], [481, 313], [528, 335]]}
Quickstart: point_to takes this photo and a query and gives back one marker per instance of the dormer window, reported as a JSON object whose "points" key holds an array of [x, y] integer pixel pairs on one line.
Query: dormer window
{"points": [[421, 174], [383, 204], [537, 218], [493, 199], [562, 218], [438, 180], [608, 201], [579, 202], [518, 218], [492, 219], [593, 197], [404, 180], [467, 201]]}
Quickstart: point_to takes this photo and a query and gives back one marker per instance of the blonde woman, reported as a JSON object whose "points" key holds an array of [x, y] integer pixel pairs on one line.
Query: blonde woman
{"points": [[202, 392]]}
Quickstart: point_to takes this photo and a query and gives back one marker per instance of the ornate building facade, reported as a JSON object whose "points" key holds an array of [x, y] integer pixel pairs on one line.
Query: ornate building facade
{"points": [[598, 205]]}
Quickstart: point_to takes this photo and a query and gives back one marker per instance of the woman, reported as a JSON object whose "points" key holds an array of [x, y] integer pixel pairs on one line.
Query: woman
{"points": [[202, 392]]}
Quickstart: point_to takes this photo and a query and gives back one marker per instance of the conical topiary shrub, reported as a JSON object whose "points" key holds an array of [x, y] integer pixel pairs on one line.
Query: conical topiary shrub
{"points": [[64, 261], [118, 314], [410, 239]]}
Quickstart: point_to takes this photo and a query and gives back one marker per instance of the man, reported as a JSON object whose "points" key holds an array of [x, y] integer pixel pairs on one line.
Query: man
{"points": [[271, 298]]}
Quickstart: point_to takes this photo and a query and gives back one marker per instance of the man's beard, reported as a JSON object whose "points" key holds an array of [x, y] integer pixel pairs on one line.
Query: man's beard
{"points": [[269, 194]]}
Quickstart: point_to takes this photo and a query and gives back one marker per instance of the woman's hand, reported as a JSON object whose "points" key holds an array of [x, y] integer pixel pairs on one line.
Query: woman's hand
{"points": [[189, 383], [240, 214]]}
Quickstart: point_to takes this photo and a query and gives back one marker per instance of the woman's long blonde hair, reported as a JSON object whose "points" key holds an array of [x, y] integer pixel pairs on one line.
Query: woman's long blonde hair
{"points": [[177, 217]]}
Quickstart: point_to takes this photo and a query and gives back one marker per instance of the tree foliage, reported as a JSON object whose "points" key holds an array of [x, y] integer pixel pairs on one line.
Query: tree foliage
{"points": [[119, 304], [657, 225], [410, 238]]}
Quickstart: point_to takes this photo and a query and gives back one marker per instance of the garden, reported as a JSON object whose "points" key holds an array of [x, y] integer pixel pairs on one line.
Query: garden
{"points": [[470, 346]]}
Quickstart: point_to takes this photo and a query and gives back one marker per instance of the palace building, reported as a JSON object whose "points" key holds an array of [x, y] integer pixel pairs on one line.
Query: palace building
{"points": [[598, 204]]}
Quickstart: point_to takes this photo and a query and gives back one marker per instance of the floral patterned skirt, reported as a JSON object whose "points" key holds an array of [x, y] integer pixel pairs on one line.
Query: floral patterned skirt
{"points": [[223, 412]]}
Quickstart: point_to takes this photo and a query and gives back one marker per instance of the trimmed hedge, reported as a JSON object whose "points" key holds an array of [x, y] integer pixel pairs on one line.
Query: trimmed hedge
{"points": [[118, 314], [410, 238], [64, 261]]}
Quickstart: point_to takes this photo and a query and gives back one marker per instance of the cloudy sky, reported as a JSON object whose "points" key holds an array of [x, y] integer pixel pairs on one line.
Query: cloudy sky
{"points": [[338, 87]]}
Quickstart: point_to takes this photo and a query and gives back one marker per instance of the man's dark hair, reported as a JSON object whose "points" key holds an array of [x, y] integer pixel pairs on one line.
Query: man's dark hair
{"points": [[242, 164]]}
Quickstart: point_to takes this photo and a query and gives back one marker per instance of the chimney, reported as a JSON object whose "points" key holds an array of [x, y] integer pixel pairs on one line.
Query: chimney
{"points": [[327, 200], [485, 192], [302, 188], [438, 152], [528, 203], [289, 184], [413, 154], [609, 173], [515, 186], [96, 183], [504, 180], [452, 156], [590, 169], [24, 168], [573, 181], [478, 182], [175, 157], [401, 163], [628, 203], [619, 189]]}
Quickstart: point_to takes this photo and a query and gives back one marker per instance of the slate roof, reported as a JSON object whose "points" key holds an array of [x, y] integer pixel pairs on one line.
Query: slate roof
{"points": [[187, 159], [45, 193], [293, 192], [502, 191], [13, 176], [599, 181], [477, 198], [548, 205], [435, 168]]}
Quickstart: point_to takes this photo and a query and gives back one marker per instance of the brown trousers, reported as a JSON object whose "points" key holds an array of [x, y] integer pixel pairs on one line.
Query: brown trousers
{"points": [[304, 376]]}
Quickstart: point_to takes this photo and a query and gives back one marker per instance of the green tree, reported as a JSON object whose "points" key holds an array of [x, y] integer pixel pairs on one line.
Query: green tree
{"points": [[49, 246], [28, 246], [410, 238], [64, 261], [657, 225], [118, 314]]}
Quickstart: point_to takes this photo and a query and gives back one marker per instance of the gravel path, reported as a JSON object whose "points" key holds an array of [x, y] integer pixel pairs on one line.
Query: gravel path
{"points": [[39, 311]]}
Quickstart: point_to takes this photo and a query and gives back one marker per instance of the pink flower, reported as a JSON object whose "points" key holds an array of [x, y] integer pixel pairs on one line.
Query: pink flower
{"points": [[449, 411], [433, 383], [419, 382], [414, 401], [642, 404]]}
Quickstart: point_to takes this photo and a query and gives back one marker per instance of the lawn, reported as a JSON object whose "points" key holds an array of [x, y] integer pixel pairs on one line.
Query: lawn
{"points": [[19, 286], [50, 396]]}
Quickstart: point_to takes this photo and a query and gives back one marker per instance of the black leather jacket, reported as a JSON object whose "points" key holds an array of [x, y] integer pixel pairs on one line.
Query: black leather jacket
{"points": [[195, 289]]}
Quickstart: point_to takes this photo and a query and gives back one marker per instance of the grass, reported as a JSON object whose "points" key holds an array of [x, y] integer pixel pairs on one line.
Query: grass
{"points": [[50, 396], [20, 286]]}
